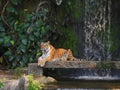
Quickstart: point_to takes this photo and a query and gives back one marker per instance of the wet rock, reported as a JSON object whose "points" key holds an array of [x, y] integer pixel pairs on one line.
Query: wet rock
{"points": [[44, 79]]}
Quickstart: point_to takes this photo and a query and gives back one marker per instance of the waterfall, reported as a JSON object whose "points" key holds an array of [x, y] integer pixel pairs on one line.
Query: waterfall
{"points": [[97, 29]]}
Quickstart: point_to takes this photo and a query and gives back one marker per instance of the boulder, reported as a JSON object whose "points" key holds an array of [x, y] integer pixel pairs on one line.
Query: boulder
{"points": [[34, 69], [20, 84]]}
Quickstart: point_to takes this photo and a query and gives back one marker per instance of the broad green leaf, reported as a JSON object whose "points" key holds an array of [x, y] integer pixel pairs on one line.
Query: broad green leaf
{"points": [[21, 26], [38, 53], [2, 34], [40, 22], [18, 58], [6, 40], [31, 37], [2, 29], [11, 58], [8, 53], [22, 36], [43, 31], [1, 41], [26, 25], [31, 59], [36, 34], [10, 9], [24, 58], [28, 17], [14, 64], [21, 48], [12, 42], [48, 27], [24, 41]]}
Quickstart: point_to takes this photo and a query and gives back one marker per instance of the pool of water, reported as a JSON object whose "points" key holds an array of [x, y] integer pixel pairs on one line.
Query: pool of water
{"points": [[83, 78], [84, 85]]}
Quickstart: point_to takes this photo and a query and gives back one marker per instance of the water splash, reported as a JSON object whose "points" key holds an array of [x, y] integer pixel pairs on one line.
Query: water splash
{"points": [[97, 29]]}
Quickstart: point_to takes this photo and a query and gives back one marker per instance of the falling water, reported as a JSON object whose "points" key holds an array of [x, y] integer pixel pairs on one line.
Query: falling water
{"points": [[97, 29]]}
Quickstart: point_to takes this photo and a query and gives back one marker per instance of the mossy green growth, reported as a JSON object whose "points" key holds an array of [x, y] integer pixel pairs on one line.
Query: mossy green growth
{"points": [[114, 38], [67, 40], [1, 84], [71, 41], [77, 8], [33, 85]]}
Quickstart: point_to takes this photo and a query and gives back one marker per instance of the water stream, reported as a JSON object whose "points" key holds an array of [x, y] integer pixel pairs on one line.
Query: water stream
{"points": [[97, 25], [97, 29]]}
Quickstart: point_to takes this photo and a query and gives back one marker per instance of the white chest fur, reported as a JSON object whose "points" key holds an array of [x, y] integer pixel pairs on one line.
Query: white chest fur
{"points": [[45, 55]]}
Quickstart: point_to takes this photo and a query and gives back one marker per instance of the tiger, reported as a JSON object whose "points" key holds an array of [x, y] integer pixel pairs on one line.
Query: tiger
{"points": [[50, 53]]}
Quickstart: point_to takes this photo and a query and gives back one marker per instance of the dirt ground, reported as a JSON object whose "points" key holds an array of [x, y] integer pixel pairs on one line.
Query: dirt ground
{"points": [[6, 75]]}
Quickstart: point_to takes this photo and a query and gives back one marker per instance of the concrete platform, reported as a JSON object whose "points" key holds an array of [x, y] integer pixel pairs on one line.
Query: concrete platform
{"points": [[67, 68], [77, 64]]}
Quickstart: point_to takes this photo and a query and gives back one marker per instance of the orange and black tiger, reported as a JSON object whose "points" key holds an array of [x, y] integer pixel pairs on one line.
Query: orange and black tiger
{"points": [[49, 53]]}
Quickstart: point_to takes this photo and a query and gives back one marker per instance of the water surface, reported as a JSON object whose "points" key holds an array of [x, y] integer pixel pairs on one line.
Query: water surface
{"points": [[84, 85]]}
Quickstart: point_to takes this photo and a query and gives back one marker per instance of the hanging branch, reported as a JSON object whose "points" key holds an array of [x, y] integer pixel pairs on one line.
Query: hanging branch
{"points": [[2, 14], [0, 3], [40, 4], [6, 60]]}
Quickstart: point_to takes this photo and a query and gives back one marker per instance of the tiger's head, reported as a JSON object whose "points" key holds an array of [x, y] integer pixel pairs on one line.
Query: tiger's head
{"points": [[45, 47]]}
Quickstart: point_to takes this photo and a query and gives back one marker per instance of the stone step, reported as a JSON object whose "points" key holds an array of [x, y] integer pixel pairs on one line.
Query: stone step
{"points": [[34, 69]]}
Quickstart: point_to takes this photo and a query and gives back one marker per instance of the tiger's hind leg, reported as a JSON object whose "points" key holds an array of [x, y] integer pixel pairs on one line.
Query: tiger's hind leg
{"points": [[64, 57], [70, 55]]}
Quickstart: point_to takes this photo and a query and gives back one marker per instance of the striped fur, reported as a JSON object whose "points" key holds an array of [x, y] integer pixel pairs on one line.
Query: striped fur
{"points": [[49, 53]]}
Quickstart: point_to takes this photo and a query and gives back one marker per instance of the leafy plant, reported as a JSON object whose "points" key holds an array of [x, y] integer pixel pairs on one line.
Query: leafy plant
{"points": [[24, 35], [22, 30], [33, 85], [18, 72], [1, 84]]}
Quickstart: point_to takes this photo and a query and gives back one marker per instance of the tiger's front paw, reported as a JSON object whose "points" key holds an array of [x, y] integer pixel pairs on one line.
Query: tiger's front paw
{"points": [[41, 62]]}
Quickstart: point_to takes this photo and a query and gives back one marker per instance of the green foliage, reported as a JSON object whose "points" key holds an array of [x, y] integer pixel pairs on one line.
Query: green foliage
{"points": [[65, 37], [71, 41], [114, 37], [33, 85], [75, 8], [1, 84], [18, 72], [26, 30]]}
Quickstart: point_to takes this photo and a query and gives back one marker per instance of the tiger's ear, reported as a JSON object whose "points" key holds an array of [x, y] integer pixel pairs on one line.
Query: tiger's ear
{"points": [[41, 43], [48, 42]]}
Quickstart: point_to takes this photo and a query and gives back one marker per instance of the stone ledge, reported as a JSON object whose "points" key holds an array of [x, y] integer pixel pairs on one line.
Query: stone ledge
{"points": [[76, 64], [62, 70], [83, 64]]}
